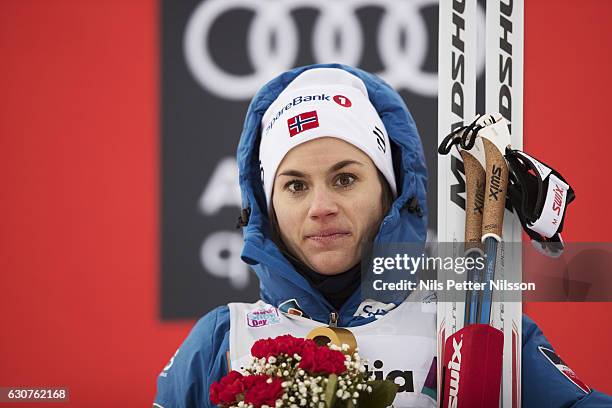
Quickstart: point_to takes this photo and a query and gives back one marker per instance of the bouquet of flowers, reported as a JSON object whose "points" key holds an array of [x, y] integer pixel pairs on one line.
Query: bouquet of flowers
{"points": [[293, 372]]}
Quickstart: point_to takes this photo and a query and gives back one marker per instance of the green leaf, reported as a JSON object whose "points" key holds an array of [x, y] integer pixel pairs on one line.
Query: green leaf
{"points": [[382, 395], [330, 390]]}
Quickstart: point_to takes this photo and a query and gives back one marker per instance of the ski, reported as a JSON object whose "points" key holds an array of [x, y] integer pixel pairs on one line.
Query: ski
{"points": [[458, 62]]}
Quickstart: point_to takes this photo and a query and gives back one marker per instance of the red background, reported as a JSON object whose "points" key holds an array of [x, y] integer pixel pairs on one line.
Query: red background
{"points": [[79, 196]]}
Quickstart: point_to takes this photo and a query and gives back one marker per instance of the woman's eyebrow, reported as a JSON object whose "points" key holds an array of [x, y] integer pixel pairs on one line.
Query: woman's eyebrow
{"points": [[332, 169], [292, 173], [342, 164]]}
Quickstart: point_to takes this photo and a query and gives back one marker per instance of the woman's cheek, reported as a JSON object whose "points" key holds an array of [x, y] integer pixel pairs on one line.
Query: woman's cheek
{"points": [[291, 225], [373, 213]]}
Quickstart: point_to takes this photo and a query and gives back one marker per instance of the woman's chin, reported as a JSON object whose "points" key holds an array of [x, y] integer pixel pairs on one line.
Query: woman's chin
{"points": [[332, 263]]}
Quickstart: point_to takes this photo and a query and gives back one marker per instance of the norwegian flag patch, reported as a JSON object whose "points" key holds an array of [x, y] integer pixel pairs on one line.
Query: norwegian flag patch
{"points": [[564, 369], [302, 122]]}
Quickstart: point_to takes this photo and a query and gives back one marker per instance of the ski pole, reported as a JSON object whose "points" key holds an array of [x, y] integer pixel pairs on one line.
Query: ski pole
{"points": [[495, 139], [475, 178], [473, 355], [472, 152]]}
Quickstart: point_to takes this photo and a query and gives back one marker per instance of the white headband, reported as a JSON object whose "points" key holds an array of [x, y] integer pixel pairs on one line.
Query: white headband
{"points": [[323, 102]]}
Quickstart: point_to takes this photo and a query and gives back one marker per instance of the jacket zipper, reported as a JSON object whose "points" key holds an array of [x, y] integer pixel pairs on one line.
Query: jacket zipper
{"points": [[333, 319]]}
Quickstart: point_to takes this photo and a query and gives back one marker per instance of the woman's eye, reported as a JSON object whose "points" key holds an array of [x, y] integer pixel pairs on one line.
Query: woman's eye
{"points": [[296, 186], [345, 180]]}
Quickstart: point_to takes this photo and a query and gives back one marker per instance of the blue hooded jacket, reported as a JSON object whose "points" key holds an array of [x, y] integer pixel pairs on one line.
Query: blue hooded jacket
{"points": [[202, 358]]}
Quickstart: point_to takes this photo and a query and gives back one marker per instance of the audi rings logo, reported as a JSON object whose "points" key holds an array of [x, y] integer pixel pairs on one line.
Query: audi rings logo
{"points": [[337, 34]]}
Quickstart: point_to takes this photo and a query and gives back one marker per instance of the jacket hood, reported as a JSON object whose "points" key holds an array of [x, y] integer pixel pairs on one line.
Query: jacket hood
{"points": [[406, 220]]}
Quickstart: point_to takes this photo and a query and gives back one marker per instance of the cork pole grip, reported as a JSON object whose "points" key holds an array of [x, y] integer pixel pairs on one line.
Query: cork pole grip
{"points": [[475, 179], [495, 191]]}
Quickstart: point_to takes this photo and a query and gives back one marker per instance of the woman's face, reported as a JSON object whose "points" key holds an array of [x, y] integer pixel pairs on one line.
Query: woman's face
{"points": [[327, 199]]}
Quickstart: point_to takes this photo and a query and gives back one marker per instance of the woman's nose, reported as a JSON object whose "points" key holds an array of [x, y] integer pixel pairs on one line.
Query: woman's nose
{"points": [[323, 204]]}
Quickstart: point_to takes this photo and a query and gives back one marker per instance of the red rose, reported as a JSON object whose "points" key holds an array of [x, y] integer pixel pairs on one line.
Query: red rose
{"points": [[291, 345], [323, 360], [259, 392], [263, 348], [286, 344], [226, 390]]}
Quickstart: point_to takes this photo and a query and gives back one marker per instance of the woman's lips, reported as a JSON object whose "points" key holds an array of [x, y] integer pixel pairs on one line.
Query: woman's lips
{"points": [[327, 237]]}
